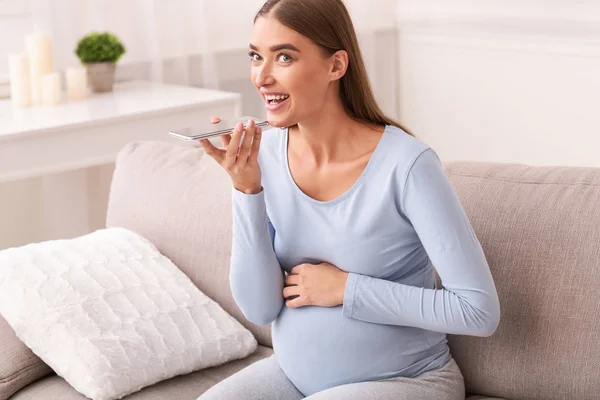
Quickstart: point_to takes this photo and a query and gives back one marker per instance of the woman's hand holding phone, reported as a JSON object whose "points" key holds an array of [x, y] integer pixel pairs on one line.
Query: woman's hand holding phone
{"points": [[239, 157]]}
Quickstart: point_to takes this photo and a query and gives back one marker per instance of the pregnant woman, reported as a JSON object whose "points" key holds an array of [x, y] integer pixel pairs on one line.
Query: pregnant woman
{"points": [[339, 218]]}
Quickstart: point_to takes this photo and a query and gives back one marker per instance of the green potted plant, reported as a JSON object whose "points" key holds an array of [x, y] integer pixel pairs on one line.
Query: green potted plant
{"points": [[99, 52]]}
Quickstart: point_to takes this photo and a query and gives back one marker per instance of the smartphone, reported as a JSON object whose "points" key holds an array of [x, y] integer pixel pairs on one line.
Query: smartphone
{"points": [[206, 130]]}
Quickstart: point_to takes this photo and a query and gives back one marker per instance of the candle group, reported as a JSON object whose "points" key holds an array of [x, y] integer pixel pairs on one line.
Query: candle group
{"points": [[33, 81]]}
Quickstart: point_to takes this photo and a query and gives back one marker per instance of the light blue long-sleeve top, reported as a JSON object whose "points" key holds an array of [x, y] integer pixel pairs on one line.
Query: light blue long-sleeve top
{"points": [[399, 220]]}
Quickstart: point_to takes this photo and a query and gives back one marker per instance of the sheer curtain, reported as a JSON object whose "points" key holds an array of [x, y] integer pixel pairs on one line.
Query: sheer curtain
{"points": [[204, 42]]}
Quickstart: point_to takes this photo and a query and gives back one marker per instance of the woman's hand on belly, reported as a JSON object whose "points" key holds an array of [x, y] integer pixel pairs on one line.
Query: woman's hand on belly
{"points": [[315, 285]]}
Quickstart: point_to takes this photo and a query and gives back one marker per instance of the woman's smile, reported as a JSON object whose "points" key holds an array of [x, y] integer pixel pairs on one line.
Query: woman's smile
{"points": [[276, 102]]}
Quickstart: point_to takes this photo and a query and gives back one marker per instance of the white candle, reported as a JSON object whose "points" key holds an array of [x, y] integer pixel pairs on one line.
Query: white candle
{"points": [[39, 51], [76, 83], [50, 89], [18, 65]]}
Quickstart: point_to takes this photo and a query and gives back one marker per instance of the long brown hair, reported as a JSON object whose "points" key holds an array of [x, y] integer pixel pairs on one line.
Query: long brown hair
{"points": [[327, 23]]}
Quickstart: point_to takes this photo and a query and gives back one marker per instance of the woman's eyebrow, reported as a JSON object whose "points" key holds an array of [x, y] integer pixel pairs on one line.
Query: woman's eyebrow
{"points": [[284, 46]]}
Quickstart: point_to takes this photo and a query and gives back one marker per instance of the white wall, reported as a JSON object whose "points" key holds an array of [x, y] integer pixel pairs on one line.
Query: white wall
{"points": [[503, 82]]}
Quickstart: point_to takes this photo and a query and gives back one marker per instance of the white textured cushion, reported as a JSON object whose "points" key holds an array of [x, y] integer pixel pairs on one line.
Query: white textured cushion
{"points": [[111, 315]]}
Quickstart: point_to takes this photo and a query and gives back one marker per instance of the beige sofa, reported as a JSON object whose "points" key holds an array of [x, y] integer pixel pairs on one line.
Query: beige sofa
{"points": [[539, 227]]}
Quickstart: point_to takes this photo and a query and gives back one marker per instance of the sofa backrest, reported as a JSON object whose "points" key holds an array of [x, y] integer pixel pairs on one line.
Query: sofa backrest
{"points": [[180, 201], [540, 231]]}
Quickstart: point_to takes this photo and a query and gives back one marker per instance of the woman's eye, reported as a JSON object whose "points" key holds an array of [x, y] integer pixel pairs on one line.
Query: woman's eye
{"points": [[254, 56], [281, 57]]}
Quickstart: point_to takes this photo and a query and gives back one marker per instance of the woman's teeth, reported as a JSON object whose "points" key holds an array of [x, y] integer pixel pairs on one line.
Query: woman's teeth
{"points": [[276, 98]]}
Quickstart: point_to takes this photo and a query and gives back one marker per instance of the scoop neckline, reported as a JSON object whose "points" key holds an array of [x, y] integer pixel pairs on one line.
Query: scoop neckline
{"points": [[349, 191]]}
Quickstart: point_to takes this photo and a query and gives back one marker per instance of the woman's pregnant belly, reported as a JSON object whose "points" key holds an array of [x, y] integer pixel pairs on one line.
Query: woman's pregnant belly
{"points": [[319, 347]]}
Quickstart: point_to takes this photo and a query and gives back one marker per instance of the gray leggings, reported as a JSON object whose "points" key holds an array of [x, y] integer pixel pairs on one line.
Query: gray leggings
{"points": [[264, 380]]}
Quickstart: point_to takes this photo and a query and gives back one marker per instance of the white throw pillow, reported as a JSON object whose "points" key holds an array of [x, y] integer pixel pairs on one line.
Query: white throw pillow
{"points": [[111, 315]]}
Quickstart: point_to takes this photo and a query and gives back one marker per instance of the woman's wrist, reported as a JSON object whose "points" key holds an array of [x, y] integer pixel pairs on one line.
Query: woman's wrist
{"points": [[248, 190]]}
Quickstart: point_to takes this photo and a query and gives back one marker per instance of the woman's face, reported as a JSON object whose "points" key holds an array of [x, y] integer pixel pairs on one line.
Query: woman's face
{"points": [[291, 68]]}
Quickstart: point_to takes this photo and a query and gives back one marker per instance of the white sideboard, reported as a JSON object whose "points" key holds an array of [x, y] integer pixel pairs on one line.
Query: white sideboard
{"points": [[58, 143]]}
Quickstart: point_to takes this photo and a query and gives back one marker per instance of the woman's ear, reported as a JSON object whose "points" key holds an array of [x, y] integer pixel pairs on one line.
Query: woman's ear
{"points": [[339, 65]]}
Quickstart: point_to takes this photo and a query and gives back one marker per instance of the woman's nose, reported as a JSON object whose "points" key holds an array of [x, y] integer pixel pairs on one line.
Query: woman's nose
{"points": [[263, 77]]}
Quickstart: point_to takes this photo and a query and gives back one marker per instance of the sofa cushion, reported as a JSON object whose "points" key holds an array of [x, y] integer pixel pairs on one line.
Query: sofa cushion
{"points": [[181, 202], [112, 315], [185, 387], [540, 230], [18, 365]]}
